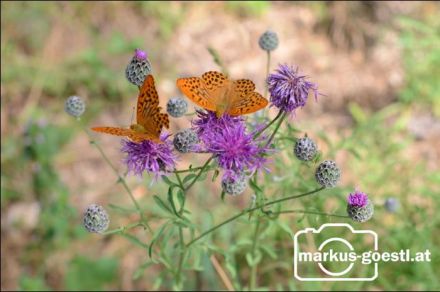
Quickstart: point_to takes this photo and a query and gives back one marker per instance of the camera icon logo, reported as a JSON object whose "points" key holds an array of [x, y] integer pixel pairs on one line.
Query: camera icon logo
{"points": [[334, 257]]}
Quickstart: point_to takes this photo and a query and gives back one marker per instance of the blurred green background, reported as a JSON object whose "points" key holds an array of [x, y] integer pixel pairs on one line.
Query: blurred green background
{"points": [[378, 64]]}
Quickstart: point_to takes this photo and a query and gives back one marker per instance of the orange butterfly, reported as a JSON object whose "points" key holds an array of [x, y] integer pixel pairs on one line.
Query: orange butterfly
{"points": [[149, 120], [215, 92]]}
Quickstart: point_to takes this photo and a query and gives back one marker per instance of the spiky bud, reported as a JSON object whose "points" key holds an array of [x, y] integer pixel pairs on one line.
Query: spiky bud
{"points": [[305, 149], [185, 140], [268, 41], [95, 219], [74, 106], [138, 68], [359, 207], [328, 174], [234, 185], [177, 107]]}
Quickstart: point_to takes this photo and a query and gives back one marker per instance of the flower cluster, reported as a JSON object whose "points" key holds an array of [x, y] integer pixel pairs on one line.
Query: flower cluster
{"points": [[238, 151]]}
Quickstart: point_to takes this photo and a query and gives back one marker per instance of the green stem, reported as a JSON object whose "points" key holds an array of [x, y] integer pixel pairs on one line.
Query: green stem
{"points": [[267, 73], [268, 125], [181, 256], [123, 228], [188, 170], [253, 281], [120, 179], [250, 210], [311, 213], [199, 174], [283, 116], [179, 180]]}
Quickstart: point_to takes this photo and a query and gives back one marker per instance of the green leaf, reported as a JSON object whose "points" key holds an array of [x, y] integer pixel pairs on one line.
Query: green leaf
{"points": [[251, 260], [181, 197], [171, 201], [189, 177], [156, 237], [134, 240], [215, 175], [168, 181], [162, 204], [122, 210]]}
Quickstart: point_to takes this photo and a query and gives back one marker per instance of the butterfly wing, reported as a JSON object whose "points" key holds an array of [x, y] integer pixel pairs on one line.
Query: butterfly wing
{"points": [[206, 91], [244, 99], [113, 131], [148, 112], [132, 135]]}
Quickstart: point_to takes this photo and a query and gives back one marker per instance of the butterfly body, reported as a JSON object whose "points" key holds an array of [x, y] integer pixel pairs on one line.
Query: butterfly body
{"points": [[213, 91], [149, 119]]}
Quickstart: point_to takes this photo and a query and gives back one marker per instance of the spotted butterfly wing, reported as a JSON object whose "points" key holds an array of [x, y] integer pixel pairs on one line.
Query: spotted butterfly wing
{"points": [[194, 88], [149, 119], [245, 99], [215, 92], [148, 113], [131, 134]]}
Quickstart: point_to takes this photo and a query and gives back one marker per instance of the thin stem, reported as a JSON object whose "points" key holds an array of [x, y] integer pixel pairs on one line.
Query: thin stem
{"points": [[311, 213], [199, 174], [283, 116], [250, 210], [179, 180], [181, 256], [268, 125], [120, 179], [188, 170], [267, 73], [253, 281], [123, 228]]}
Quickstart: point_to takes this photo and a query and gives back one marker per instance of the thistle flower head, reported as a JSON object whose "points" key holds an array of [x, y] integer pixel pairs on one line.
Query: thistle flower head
{"points": [[207, 121], [149, 156], [358, 199], [184, 141], [75, 106], [95, 219], [234, 186], [177, 107], [328, 174], [305, 149], [138, 68], [227, 139], [268, 41], [288, 89], [359, 207]]}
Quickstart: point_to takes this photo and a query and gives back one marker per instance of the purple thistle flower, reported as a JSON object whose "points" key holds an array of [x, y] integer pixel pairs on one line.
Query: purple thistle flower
{"points": [[149, 156], [358, 199], [207, 121], [289, 90], [227, 139], [140, 55]]}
